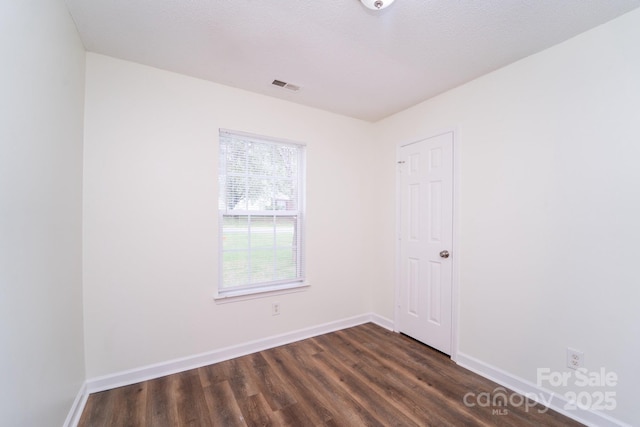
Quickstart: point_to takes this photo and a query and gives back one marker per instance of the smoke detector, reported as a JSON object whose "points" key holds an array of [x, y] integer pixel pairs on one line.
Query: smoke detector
{"points": [[376, 4]]}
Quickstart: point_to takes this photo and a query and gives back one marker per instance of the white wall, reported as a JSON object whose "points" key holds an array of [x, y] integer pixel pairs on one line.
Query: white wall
{"points": [[150, 216], [549, 207], [41, 118]]}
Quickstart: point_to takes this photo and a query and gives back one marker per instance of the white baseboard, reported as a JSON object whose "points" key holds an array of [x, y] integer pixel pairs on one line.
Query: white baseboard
{"points": [[158, 370], [527, 388], [133, 376], [382, 321], [73, 417]]}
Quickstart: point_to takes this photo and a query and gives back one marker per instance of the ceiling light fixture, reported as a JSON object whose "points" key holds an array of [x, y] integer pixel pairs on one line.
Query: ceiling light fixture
{"points": [[376, 4]]}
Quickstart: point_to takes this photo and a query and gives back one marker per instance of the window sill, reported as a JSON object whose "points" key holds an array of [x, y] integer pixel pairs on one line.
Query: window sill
{"points": [[248, 294]]}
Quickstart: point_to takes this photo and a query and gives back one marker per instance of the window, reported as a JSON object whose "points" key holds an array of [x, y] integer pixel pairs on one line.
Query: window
{"points": [[260, 214]]}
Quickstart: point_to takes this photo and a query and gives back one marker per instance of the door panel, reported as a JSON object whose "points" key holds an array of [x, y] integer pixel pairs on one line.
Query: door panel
{"points": [[426, 229]]}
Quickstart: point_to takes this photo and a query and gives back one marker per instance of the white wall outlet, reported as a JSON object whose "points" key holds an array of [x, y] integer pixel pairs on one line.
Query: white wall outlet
{"points": [[275, 309], [575, 358]]}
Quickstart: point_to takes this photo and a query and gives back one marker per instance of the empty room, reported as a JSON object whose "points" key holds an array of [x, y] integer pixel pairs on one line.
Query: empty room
{"points": [[337, 212]]}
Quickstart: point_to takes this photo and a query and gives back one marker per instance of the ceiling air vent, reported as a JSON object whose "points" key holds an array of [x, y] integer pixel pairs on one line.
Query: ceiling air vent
{"points": [[285, 85]]}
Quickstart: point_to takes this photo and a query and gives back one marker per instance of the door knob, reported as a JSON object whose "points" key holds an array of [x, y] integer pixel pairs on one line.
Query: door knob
{"points": [[444, 254]]}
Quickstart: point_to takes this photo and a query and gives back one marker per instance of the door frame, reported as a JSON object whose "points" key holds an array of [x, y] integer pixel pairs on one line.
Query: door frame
{"points": [[455, 290]]}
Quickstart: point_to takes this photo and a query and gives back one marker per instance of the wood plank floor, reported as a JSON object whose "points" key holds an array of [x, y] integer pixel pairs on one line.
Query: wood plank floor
{"points": [[361, 376]]}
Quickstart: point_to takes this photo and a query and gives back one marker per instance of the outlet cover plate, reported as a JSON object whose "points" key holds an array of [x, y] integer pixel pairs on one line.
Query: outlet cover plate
{"points": [[575, 358]]}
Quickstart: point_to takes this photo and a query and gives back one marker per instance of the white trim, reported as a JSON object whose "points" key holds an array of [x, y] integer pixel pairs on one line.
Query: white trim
{"points": [[519, 385], [455, 277], [383, 322], [75, 412], [524, 387], [253, 293], [161, 369], [224, 135], [254, 137], [396, 238], [455, 288]]}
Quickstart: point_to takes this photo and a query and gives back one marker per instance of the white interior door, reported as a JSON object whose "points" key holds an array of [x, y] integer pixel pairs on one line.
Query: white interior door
{"points": [[426, 235]]}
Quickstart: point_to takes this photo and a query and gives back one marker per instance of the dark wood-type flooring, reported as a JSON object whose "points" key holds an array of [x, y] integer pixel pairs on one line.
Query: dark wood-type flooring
{"points": [[361, 376]]}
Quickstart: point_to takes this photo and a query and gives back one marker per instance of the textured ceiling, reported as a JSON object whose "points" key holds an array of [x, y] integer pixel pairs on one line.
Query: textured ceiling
{"points": [[347, 59]]}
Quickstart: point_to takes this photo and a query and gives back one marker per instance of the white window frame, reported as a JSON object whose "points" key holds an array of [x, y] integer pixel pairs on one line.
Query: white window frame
{"points": [[264, 288]]}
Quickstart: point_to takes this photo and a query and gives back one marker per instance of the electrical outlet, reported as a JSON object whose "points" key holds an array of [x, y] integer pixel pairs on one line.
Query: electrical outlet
{"points": [[575, 358], [275, 309]]}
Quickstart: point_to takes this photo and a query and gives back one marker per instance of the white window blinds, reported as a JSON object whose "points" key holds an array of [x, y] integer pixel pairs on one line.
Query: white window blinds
{"points": [[261, 212]]}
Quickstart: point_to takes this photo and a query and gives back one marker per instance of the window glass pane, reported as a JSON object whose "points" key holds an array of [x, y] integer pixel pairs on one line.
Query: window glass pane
{"points": [[260, 159], [236, 157], [260, 194], [236, 192], [235, 268], [262, 265], [286, 263], [222, 196], [262, 231], [285, 231], [235, 232], [285, 194], [286, 161]]}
